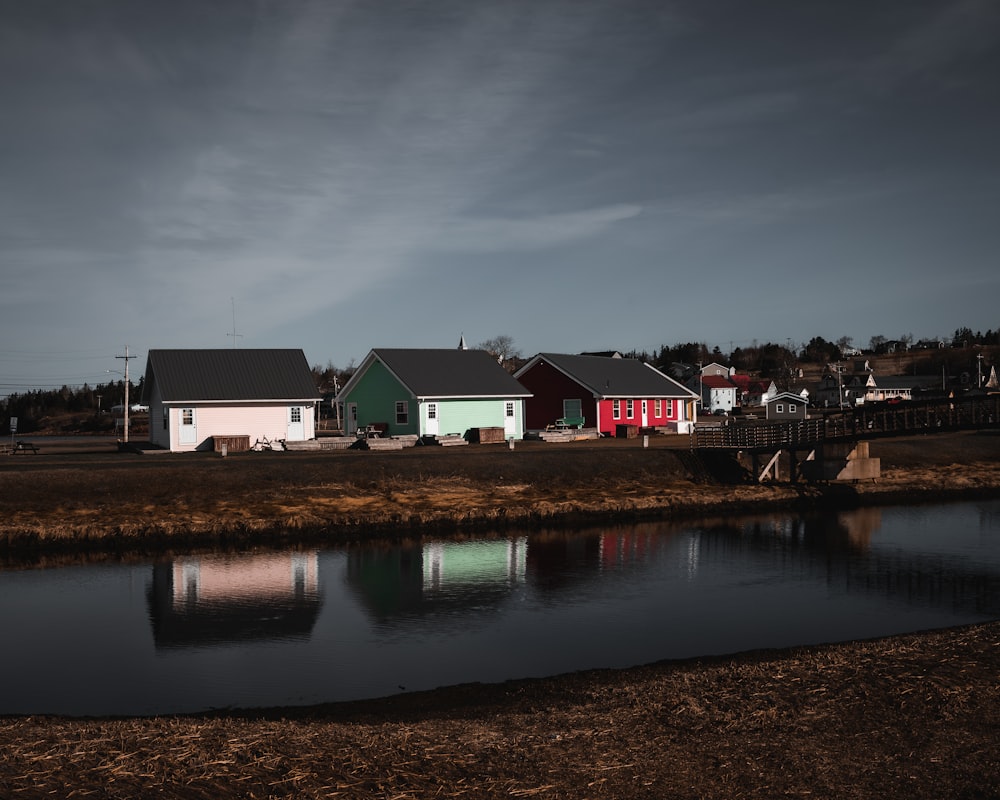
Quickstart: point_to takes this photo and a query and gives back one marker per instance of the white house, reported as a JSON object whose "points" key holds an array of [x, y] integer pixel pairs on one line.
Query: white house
{"points": [[197, 396]]}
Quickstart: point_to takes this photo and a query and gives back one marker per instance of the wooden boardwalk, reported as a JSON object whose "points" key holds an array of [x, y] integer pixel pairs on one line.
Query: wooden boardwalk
{"points": [[863, 422]]}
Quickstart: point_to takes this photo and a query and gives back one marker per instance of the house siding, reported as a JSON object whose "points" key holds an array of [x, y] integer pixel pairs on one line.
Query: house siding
{"points": [[255, 420], [376, 395], [550, 388], [460, 416]]}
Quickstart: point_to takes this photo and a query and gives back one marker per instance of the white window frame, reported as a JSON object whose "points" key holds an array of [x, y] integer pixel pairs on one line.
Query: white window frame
{"points": [[616, 409], [629, 409]]}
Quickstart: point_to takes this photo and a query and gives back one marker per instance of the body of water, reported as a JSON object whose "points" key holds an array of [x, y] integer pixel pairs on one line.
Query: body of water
{"points": [[303, 627]]}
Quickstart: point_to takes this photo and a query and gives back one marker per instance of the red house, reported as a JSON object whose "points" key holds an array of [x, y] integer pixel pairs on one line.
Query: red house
{"points": [[604, 393]]}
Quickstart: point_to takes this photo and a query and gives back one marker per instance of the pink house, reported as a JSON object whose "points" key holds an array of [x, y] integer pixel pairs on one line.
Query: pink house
{"points": [[603, 393], [196, 397]]}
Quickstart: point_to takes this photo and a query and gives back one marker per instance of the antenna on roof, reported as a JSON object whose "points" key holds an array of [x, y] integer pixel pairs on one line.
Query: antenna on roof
{"points": [[234, 334]]}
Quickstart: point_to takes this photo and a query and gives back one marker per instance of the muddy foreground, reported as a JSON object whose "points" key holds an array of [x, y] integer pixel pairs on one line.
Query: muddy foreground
{"points": [[914, 716]]}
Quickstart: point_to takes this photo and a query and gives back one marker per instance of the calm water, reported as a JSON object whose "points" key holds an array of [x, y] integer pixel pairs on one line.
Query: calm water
{"points": [[305, 627]]}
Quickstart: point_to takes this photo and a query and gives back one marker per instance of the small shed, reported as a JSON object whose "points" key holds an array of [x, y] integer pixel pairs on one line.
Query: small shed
{"points": [[786, 407]]}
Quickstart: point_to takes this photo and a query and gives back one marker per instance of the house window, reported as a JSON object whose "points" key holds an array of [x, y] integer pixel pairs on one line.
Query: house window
{"points": [[629, 409], [509, 410], [670, 409], [187, 416], [616, 409], [573, 408], [780, 408], [296, 415], [658, 408], [432, 410], [402, 412]]}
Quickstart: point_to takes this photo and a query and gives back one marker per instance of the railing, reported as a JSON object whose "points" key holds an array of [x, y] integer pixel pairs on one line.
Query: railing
{"points": [[864, 421]]}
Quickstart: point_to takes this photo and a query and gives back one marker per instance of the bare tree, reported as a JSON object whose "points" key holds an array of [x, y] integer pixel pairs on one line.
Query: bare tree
{"points": [[501, 348]]}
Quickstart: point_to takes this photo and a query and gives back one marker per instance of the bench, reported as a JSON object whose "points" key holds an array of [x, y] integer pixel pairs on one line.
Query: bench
{"points": [[565, 423], [24, 447]]}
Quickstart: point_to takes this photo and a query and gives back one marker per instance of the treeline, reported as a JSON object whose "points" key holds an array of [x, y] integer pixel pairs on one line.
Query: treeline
{"points": [[31, 407]]}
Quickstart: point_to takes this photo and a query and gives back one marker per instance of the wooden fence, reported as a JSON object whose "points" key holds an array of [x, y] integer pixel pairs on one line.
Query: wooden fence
{"points": [[862, 422]]}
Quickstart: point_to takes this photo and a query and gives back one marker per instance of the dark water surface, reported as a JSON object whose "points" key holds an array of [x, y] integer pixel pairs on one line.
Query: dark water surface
{"points": [[295, 628]]}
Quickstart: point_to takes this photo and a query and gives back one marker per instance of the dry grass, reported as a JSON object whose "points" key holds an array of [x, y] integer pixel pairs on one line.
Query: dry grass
{"points": [[908, 717], [124, 500]]}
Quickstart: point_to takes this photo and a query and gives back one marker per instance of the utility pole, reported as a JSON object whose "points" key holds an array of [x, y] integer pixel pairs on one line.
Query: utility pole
{"points": [[127, 357], [839, 369], [979, 382]]}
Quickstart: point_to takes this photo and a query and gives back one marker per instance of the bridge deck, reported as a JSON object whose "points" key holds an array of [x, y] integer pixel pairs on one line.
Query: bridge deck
{"points": [[853, 424]]}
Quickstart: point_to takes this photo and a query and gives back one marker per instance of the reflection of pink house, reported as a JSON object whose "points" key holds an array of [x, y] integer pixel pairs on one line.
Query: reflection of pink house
{"points": [[208, 600], [235, 579]]}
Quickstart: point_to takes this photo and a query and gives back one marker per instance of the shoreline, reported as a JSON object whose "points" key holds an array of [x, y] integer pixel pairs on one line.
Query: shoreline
{"points": [[910, 716], [123, 502]]}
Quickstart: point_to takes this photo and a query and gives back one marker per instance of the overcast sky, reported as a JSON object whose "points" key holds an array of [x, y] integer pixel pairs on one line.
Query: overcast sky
{"points": [[578, 175]]}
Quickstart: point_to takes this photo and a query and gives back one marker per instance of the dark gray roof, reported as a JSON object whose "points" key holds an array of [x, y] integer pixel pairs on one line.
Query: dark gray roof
{"points": [[613, 377], [187, 376], [907, 381], [449, 373]]}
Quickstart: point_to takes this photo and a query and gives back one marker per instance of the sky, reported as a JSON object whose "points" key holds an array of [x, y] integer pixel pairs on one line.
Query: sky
{"points": [[577, 175]]}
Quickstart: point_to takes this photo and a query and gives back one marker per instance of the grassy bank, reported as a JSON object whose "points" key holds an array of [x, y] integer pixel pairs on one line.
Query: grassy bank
{"points": [[93, 500]]}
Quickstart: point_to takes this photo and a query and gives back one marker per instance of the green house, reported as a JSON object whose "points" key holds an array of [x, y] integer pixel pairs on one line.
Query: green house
{"points": [[433, 393]]}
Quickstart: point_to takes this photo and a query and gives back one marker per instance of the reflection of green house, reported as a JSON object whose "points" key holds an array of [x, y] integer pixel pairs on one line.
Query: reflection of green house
{"points": [[433, 393], [457, 564]]}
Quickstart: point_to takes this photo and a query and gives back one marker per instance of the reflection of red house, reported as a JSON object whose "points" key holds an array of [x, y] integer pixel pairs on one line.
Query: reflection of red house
{"points": [[605, 392]]}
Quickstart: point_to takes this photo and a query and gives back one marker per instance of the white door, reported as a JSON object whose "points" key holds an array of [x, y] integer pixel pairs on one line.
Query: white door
{"points": [[431, 426], [645, 414], [296, 426], [509, 420], [188, 429]]}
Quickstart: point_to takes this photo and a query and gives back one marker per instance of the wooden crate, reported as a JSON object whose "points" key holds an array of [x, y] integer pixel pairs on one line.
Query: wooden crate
{"points": [[488, 435], [627, 432], [234, 444]]}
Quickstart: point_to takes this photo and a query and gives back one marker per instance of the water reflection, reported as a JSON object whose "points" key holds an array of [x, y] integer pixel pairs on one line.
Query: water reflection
{"points": [[206, 631], [212, 600], [408, 582]]}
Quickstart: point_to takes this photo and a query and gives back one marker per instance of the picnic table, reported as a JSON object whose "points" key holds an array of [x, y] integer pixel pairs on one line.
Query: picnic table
{"points": [[20, 447]]}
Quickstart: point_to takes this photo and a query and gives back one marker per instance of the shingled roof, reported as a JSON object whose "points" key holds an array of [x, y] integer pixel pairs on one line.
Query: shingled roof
{"points": [[446, 373], [612, 377], [189, 376]]}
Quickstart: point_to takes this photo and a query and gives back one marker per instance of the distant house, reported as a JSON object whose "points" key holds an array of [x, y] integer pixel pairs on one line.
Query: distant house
{"points": [[896, 388], [786, 407], [718, 393], [752, 391], [195, 396], [433, 392], [604, 393], [715, 368]]}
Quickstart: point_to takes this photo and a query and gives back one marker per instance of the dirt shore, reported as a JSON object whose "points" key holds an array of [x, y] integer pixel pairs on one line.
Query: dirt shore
{"points": [[914, 716], [60, 501]]}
